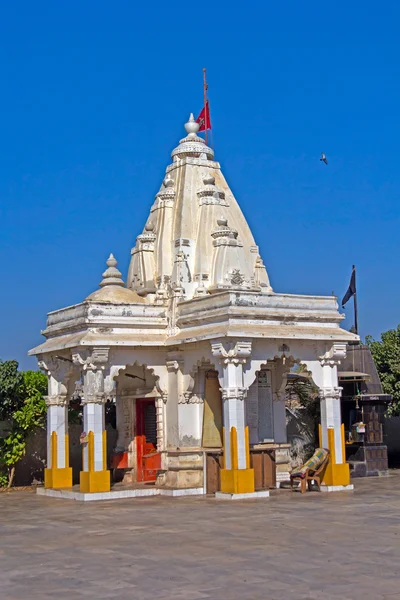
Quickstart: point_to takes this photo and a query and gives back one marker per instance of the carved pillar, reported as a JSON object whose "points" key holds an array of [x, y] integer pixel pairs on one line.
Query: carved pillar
{"points": [[58, 473], [236, 476], [174, 363], [331, 428], [94, 476]]}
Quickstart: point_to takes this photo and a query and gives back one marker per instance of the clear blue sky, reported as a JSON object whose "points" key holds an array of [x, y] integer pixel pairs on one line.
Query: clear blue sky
{"points": [[94, 96]]}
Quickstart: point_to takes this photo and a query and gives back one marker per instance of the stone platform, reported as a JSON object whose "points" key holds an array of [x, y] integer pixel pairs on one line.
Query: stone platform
{"points": [[121, 493]]}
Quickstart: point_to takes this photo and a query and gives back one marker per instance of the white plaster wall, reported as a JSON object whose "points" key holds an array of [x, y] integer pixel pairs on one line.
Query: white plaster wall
{"points": [[190, 424]]}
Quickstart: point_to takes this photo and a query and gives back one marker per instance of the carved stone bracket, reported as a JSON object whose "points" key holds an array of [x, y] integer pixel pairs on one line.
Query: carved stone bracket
{"points": [[58, 368], [97, 398], [330, 392], [334, 356], [172, 366], [98, 359], [163, 393], [191, 398], [231, 352], [56, 400], [233, 393]]}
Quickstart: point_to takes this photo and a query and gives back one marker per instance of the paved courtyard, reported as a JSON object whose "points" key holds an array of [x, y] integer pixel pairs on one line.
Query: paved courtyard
{"points": [[289, 547]]}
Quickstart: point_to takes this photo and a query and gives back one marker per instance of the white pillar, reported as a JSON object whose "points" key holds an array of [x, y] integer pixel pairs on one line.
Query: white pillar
{"points": [[94, 477], [58, 473], [236, 476], [331, 430]]}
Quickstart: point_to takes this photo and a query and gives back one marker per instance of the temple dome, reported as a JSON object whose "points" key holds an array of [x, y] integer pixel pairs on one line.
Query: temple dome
{"points": [[115, 294], [112, 288]]}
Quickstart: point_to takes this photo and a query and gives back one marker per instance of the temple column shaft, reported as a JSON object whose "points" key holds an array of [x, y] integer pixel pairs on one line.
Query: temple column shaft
{"points": [[58, 473], [236, 476], [94, 477], [331, 429]]}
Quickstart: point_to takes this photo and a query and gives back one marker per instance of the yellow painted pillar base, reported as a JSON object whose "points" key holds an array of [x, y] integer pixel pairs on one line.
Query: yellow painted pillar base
{"points": [[58, 478], [337, 474], [94, 481], [237, 481]]}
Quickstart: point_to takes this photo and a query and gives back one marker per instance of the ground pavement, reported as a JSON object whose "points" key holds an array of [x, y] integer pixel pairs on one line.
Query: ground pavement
{"points": [[289, 547]]}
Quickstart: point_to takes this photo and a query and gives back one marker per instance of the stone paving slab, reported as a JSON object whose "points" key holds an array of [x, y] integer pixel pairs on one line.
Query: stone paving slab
{"points": [[287, 547]]}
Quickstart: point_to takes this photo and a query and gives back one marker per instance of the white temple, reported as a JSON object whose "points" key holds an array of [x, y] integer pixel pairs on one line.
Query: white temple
{"points": [[194, 350]]}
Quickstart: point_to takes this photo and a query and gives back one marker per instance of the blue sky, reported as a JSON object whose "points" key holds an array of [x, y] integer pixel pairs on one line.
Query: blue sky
{"points": [[94, 96]]}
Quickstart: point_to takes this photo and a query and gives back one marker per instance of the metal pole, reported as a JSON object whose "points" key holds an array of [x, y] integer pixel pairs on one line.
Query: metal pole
{"points": [[355, 302], [205, 88]]}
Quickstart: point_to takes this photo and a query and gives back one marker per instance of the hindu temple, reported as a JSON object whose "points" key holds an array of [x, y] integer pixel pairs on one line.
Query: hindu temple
{"points": [[193, 347]]}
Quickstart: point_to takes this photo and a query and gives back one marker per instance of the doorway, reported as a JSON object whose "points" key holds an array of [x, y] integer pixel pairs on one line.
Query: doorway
{"points": [[148, 459]]}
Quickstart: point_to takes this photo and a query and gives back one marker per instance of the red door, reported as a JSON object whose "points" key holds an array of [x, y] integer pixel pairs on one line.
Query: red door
{"points": [[148, 459]]}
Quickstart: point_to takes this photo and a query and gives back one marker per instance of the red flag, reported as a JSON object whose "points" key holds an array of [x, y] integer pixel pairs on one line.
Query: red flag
{"points": [[204, 119]]}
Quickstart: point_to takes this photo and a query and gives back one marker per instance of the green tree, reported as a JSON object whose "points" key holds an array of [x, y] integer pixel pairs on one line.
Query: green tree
{"points": [[386, 354], [28, 412], [11, 389]]}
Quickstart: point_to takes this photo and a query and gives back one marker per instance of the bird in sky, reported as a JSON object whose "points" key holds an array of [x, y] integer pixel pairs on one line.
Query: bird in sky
{"points": [[323, 158]]}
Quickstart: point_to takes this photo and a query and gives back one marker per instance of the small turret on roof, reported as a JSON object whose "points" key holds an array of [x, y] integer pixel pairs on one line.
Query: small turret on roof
{"points": [[111, 276], [113, 289]]}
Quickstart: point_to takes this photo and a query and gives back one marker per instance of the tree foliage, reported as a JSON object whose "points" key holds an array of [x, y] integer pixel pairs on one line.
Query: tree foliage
{"points": [[11, 389], [386, 354], [23, 405]]}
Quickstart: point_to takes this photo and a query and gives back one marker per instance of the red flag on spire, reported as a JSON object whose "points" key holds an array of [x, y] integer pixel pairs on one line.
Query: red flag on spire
{"points": [[204, 119]]}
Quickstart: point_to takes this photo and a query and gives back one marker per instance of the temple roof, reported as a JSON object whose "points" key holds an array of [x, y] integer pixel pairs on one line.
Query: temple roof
{"points": [[195, 274]]}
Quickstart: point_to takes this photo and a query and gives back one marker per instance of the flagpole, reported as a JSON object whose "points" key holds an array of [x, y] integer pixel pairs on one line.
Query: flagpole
{"points": [[355, 302], [205, 88]]}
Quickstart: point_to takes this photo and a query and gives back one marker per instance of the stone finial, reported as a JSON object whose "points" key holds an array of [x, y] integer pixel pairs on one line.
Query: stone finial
{"points": [[209, 180], [191, 126], [111, 276], [222, 222], [168, 181], [149, 227]]}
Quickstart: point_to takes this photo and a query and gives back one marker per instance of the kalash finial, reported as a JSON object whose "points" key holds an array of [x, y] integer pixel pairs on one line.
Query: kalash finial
{"points": [[191, 126], [111, 276]]}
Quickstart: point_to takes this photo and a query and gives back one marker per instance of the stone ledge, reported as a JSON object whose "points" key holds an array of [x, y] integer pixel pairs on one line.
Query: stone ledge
{"points": [[182, 492], [117, 494], [247, 496], [337, 488]]}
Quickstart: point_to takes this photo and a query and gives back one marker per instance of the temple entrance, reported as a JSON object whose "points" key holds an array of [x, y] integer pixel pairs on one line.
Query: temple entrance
{"points": [[148, 459]]}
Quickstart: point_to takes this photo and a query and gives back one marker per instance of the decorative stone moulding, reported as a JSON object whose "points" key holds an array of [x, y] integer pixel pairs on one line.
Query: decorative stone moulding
{"points": [[225, 235], [234, 393], [96, 360], [99, 398], [210, 194], [166, 196], [236, 353], [145, 241], [334, 356], [56, 400], [332, 392]]}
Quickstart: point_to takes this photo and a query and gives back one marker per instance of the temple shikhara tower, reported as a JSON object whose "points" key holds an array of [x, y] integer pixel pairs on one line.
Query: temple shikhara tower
{"points": [[193, 349]]}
